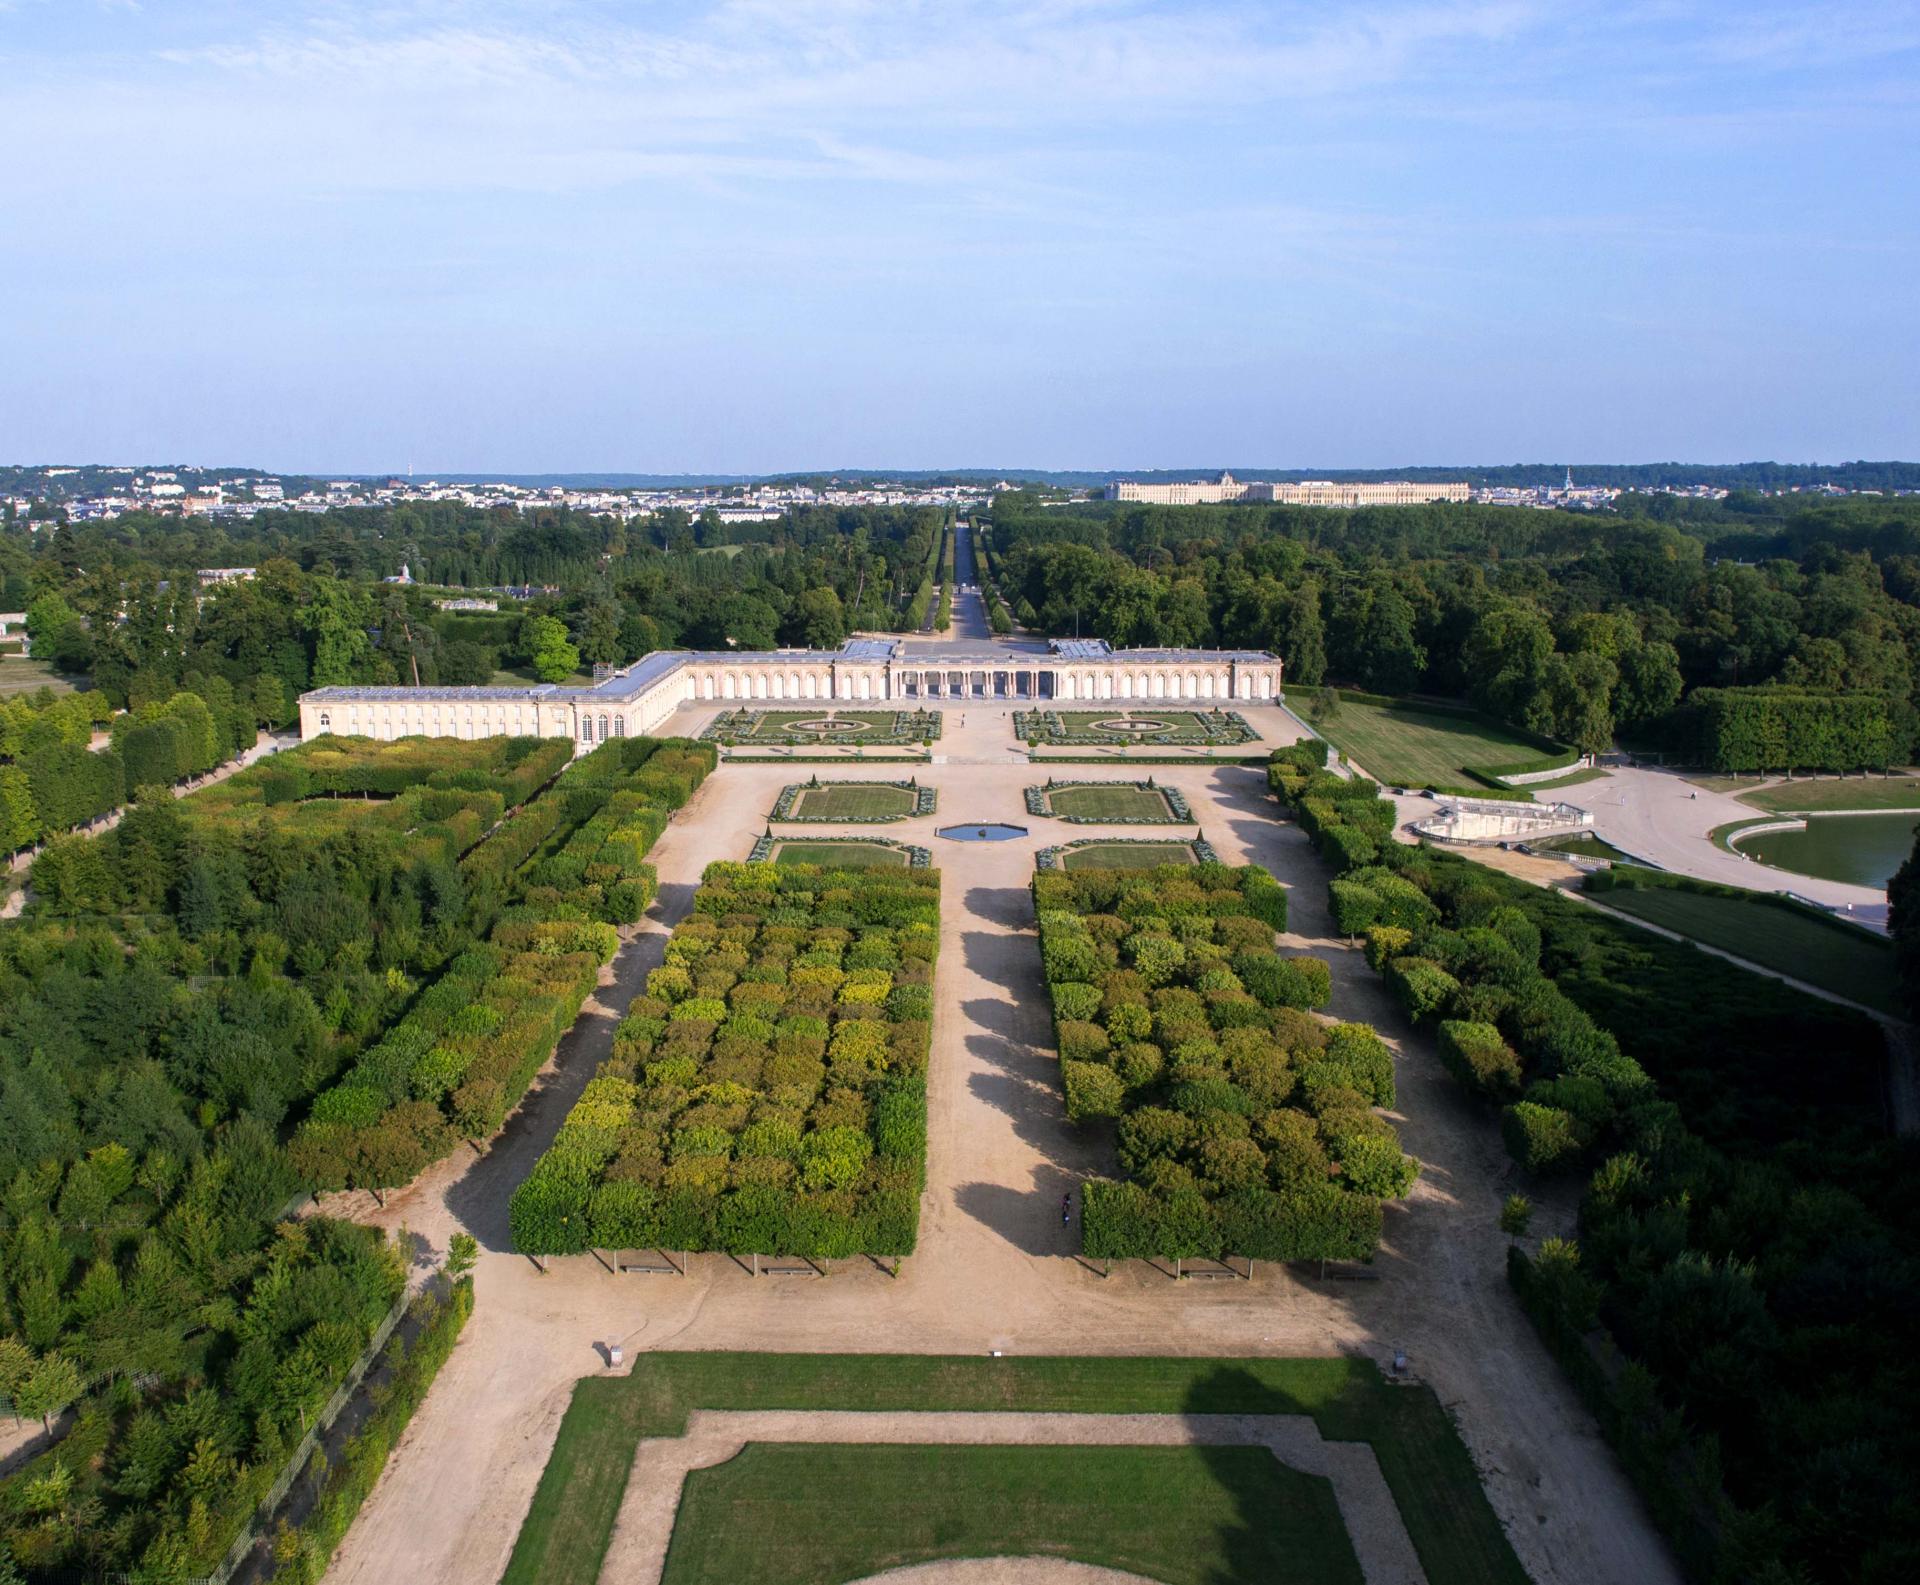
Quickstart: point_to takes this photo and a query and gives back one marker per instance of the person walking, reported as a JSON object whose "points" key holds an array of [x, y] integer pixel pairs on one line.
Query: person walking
{"points": [[1066, 1209]]}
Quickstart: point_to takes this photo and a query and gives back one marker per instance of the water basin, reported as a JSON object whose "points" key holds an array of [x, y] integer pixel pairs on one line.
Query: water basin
{"points": [[1862, 849], [981, 833]]}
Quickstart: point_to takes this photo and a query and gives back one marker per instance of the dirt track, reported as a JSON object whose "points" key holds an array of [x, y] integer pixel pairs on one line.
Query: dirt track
{"points": [[996, 1269]]}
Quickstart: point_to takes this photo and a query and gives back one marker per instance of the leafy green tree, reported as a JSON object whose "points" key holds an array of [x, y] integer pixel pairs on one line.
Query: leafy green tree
{"points": [[543, 640]]}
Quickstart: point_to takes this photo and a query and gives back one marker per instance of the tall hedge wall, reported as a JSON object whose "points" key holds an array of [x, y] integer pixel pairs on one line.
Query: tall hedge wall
{"points": [[767, 1095], [1761, 729], [1246, 1126]]}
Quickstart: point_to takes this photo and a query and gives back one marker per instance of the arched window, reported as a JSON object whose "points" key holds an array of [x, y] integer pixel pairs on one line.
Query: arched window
{"points": [[325, 719], [619, 726], [586, 729]]}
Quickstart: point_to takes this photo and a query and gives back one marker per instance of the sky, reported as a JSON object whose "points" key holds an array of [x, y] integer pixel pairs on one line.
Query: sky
{"points": [[768, 235]]}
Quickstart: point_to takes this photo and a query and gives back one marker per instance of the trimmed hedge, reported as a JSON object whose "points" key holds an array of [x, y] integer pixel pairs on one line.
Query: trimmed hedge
{"points": [[1245, 1125], [767, 1095]]}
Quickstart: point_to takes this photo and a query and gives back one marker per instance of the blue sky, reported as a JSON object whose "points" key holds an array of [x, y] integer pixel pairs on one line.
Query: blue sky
{"points": [[775, 234]]}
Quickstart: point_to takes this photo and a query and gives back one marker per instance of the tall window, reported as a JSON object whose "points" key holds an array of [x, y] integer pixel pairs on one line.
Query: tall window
{"points": [[619, 726], [586, 729]]}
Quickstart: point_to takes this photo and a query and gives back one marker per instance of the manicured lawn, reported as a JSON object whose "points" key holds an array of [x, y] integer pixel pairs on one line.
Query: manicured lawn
{"points": [[1121, 801], [19, 674], [853, 801], [838, 855], [1836, 957], [1408, 747], [564, 1538], [1852, 792], [1127, 855], [801, 1515]]}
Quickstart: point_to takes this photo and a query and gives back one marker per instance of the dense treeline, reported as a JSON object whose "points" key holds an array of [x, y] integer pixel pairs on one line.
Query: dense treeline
{"points": [[469, 1046], [1747, 1236], [767, 1095], [1245, 1125], [120, 599], [180, 991], [1573, 625], [52, 779]]}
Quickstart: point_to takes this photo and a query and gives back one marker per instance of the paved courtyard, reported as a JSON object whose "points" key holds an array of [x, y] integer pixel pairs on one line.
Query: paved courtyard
{"points": [[996, 1269]]}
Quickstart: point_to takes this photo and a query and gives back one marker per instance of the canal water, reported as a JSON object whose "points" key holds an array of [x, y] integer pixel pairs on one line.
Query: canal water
{"points": [[1863, 849]]}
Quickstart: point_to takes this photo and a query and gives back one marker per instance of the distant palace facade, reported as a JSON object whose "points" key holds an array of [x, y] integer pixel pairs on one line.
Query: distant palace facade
{"points": [[861, 671], [1307, 492]]}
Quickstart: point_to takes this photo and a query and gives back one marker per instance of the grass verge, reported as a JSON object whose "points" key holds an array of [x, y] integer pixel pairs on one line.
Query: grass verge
{"points": [[1836, 957], [564, 1538], [1850, 792]]}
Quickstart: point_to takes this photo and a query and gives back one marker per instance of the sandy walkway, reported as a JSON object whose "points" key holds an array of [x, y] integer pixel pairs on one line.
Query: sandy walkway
{"points": [[645, 1524], [996, 1268]]}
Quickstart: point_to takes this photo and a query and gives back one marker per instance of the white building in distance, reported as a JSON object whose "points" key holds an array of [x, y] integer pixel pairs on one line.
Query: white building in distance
{"points": [[1306, 492]]}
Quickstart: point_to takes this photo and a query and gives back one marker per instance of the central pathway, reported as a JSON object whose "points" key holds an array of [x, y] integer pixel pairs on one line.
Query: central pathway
{"points": [[995, 1268]]}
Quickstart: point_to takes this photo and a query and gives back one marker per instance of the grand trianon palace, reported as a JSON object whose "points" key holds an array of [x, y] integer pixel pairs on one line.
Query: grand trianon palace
{"points": [[637, 699]]}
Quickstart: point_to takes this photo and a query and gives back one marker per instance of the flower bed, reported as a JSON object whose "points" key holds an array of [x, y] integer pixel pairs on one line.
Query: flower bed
{"points": [[1173, 808], [1246, 1126], [916, 802], [1055, 858], [767, 1095]]}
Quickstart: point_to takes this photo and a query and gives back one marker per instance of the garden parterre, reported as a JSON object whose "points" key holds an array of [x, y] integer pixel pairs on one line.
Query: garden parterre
{"points": [[1124, 853], [853, 802], [1111, 803], [1246, 1125], [1122, 724], [812, 728], [768, 1094]]}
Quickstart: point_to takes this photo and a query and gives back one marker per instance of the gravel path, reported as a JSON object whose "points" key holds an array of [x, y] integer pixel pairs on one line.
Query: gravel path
{"points": [[640, 1535], [996, 1268]]}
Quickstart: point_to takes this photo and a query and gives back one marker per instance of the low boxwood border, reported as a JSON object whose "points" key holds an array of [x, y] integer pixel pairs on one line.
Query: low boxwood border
{"points": [[924, 799], [1179, 812]]}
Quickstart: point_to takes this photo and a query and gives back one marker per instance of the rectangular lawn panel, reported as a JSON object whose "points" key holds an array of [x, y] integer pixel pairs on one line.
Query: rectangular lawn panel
{"points": [[1410, 747], [840, 855], [1120, 803], [1127, 855], [852, 802], [564, 1538], [816, 1515]]}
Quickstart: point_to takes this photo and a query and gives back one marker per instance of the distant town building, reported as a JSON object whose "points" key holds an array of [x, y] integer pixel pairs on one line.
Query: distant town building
{"points": [[468, 603], [1305, 492], [209, 576]]}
